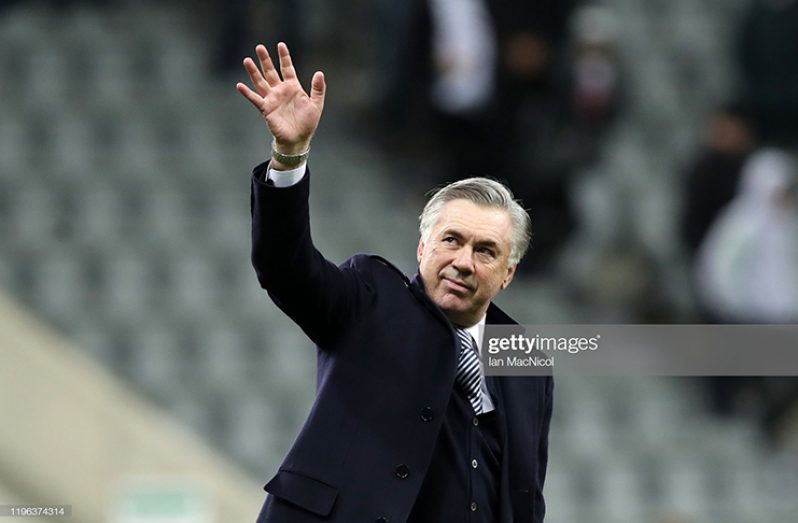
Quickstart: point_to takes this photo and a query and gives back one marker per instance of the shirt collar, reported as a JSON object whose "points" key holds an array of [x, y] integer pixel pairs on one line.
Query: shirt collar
{"points": [[476, 331]]}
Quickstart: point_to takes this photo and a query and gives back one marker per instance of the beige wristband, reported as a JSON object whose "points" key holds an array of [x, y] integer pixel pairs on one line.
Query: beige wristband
{"points": [[289, 160]]}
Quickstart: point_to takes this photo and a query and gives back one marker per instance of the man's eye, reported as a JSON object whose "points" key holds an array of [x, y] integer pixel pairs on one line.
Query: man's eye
{"points": [[485, 250], [450, 239]]}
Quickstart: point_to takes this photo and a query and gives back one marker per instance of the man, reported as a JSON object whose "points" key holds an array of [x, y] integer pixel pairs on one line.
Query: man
{"points": [[405, 427]]}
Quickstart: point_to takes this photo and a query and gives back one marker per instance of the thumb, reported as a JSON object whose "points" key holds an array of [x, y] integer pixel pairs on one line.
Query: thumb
{"points": [[318, 88]]}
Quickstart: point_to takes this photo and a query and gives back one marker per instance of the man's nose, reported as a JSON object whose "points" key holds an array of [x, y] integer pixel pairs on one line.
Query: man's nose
{"points": [[464, 260]]}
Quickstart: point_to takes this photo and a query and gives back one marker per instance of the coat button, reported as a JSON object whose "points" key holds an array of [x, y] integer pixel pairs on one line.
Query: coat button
{"points": [[382, 520], [475, 421], [402, 471], [426, 414], [474, 464], [473, 506]]}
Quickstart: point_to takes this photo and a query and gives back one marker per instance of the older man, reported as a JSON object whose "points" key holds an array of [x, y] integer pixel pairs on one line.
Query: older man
{"points": [[405, 427]]}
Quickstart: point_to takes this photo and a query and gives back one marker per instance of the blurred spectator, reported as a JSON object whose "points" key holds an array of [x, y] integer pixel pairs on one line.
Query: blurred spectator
{"points": [[747, 266], [494, 81], [713, 178], [768, 61], [747, 272], [464, 54], [532, 39], [559, 128], [485, 61], [595, 86]]}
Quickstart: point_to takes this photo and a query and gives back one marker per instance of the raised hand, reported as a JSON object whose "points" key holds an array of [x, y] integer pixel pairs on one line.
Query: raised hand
{"points": [[292, 115]]}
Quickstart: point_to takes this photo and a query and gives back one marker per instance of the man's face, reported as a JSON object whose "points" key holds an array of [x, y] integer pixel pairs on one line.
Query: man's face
{"points": [[464, 261]]}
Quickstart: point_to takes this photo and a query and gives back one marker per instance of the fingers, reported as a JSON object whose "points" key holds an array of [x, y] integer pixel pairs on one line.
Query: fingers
{"points": [[267, 77], [255, 75], [318, 87], [266, 65], [250, 95], [286, 66]]}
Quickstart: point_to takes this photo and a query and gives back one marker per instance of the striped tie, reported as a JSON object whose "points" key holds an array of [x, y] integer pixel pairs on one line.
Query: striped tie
{"points": [[468, 373]]}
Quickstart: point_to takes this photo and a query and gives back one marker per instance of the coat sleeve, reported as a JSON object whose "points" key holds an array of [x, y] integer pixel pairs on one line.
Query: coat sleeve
{"points": [[322, 298]]}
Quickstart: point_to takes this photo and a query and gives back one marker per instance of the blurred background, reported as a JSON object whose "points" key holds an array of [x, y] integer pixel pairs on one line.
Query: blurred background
{"points": [[144, 376]]}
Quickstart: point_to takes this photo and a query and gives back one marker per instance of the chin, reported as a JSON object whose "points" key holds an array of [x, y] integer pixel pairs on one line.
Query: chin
{"points": [[455, 309], [449, 301]]}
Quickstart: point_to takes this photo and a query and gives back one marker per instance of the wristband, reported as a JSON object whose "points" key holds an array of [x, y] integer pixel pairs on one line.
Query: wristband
{"points": [[289, 160]]}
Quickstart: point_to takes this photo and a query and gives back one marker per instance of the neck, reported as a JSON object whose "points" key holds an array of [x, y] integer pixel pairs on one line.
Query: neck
{"points": [[459, 323]]}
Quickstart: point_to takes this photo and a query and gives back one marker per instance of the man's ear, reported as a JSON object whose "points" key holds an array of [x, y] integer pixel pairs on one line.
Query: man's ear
{"points": [[420, 249], [509, 277]]}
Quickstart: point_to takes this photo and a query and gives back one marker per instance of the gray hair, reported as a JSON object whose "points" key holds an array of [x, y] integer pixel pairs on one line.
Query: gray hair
{"points": [[486, 193]]}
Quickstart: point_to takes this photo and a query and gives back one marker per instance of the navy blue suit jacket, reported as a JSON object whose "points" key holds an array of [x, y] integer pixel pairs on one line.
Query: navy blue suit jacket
{"points": [[386, 364]]}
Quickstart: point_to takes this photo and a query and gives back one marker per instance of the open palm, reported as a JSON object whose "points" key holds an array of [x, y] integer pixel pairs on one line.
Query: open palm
{"points": [[291, 114]]}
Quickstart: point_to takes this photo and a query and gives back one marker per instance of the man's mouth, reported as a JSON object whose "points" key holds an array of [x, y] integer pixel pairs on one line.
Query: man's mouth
{"points": [[457, 285]]}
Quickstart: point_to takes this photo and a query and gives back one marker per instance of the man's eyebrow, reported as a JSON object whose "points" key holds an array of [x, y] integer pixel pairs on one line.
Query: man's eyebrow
{"points": [[451, 232], [487, 242]]}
